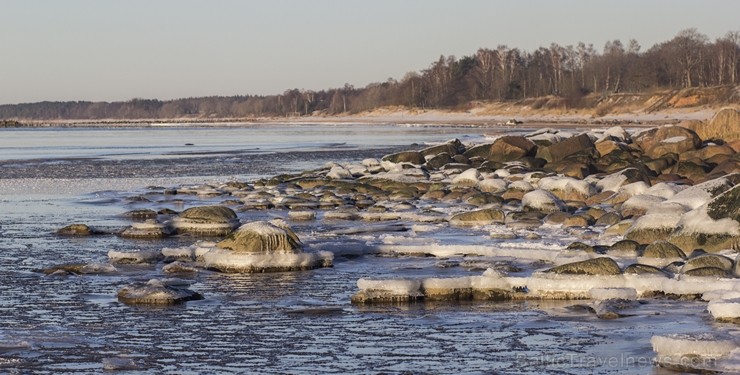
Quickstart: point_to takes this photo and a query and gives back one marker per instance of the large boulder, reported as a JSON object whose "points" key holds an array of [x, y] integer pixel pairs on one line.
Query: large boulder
{"points": [[263, 237], [206, 221], [510, 148], [596, 266], [667, 139], [264, 247], [452, 147], [565, 148], [725, 125], [413, 157]]}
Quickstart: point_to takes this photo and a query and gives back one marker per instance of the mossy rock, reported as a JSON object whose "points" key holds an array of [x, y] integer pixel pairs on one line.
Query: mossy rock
{"points": [[478, 217], [598, 266], [663, 250]]}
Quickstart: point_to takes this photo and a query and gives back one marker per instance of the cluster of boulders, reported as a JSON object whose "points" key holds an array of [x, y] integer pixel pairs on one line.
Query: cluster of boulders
{"points": [[671, 194]]}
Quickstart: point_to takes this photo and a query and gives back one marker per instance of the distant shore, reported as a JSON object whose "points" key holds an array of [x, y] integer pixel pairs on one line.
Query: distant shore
{"points": [[401, 116]]}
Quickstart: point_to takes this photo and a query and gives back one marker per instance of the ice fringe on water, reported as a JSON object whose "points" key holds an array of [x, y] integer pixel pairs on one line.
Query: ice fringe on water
{"points": [[612, 293], [554, 286], [725, 309], [697, 353], [228, 261]]}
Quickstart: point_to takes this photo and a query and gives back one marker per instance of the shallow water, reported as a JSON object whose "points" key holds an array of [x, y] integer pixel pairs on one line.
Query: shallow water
{"points": [[297, 322]]}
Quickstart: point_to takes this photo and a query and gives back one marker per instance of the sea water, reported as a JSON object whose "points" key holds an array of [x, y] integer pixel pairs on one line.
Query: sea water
{"points": [[290, 322]]}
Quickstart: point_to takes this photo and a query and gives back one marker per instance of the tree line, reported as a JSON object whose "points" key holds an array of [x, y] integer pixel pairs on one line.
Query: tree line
{"points": [[689, 59]]}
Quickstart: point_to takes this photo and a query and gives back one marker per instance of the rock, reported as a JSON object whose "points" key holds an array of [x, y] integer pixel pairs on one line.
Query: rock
{"points": [[263, 237], [511, 148], [609, 218], [643, 269], [452, 147], [667, 139], [556, 218], [577, 221], [561, 150], [149, 229], [482, 151], [178, 267], [413, 157], [542, 200], [79, 269], [76, 230], [708, 260], [134, 257], [156, 292], [440, 160], [484, 216], [707, 272], [492, 185], [625, 248], [663, 250], [467, 178], [596, 266], [302, 215], [725, 205], [206, 221], [143, 214], [725, 125]]}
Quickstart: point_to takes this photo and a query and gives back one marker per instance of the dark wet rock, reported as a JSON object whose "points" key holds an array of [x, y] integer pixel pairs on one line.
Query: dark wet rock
{"points": [[156, 292], [662, 163], [484, 216], [707, 272], [79, 269], [142, 214], [167, 211], [643, 269], [565, 148], [609, 218], [413, 157], [461, 159], [206, 221], [596, 266], [578, 246], [511, 148], [663, 250], [77, 230], [695, 170], [263, 237]]}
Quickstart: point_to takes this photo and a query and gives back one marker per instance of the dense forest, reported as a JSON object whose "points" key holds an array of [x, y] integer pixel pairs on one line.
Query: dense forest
{"points": [[571, 72]]}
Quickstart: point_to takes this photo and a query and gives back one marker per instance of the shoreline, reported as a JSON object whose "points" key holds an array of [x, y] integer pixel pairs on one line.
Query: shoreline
{"points": [[395, 116]]}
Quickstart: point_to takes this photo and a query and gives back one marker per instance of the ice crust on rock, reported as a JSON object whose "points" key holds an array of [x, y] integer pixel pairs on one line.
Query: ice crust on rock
{"points": [[703, 353], [542, 200], [725, 309], [138, 256], [612, 293], [229, 261]]}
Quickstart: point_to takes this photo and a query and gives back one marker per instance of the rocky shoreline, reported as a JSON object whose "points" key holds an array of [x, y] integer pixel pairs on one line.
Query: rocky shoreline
{"points": [[654, 213]]}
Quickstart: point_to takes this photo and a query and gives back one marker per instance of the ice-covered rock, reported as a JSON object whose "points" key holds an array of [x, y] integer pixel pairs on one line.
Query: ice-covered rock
{"points": [[178, 267], [725, 309], [493, 185], [150, 229], [263, 247], [384, 291], [134, 257], [693, 353], [263, 237], [467, 178], [543, 200], [206, 221], [157, 292], [80, 269]]}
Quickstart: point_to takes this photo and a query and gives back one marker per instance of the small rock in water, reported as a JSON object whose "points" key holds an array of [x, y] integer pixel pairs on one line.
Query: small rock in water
{"points": [[120, 364], [76, 230], [157, 292]]}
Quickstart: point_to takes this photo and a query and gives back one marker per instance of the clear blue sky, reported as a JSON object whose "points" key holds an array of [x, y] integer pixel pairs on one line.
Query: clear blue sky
{"points": [[118, 50]]}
